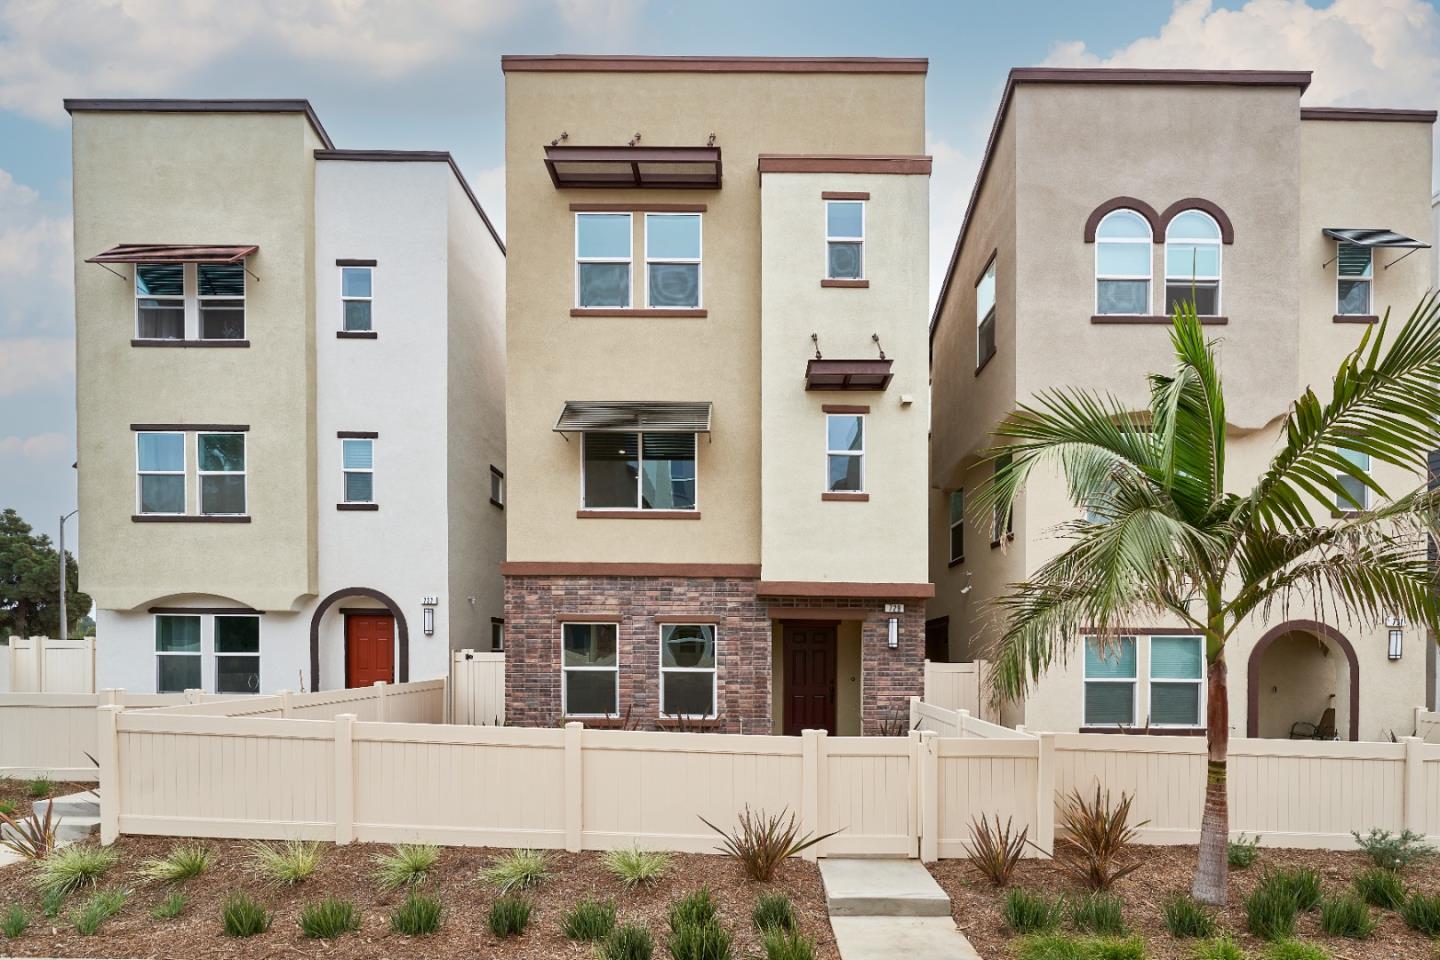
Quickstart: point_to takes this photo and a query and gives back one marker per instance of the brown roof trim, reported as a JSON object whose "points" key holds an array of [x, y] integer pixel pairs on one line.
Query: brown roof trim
{"points": [[1227, 232], [564, 568], [417, 156], [552, 63], [842, 588], [1092, 222], [1382, 115], [203, 106], [844, 163]]}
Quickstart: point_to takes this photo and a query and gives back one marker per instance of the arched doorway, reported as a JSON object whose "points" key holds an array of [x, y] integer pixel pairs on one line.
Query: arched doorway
{"points": [[1296, 671], [402, 631]]}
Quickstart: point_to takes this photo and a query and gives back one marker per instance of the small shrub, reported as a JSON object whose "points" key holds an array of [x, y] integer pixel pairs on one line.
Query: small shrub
{"points": [[1098, 913], [14, 922], [762, 842], [99, 907], [1381, 888], [589, 920], [243, 917], [7, 808], [1099, 839], [773, 911], [70, 868], [630, 942], [1293, 950], [1059, 946], [328, 919], [693, 910], [406, 865], [1346, 915], [1026, 912], [508, 916], [699, 941], [39, 788], [996, 850], [636, 867], [1422, 913], [1114, 948], [52, 902], [32, 836], [1221, 948], [1302, 883], [286, 864], [169, 908], [1391, 851], [1243, 851], [518, 870], [1270, 911], [178, 865], [787, 945], [1186, 918], [417, 915]]}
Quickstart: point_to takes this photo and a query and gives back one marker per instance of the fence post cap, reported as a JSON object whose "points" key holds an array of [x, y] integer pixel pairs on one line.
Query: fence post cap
{"points": [[574, 725]]}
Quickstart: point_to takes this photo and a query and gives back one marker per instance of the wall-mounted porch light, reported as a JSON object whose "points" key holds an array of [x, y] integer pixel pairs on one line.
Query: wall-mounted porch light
{"points": [[1397, 643], [892, 626], [429, 603]]}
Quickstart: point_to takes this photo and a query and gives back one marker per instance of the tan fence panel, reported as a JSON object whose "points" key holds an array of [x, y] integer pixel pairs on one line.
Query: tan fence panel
{"points": [[929, 718], [1427, 725], [477, 683], [420, 702], [958, 686], [46, 665], [989, 778], [53, 734], [869, 792]]}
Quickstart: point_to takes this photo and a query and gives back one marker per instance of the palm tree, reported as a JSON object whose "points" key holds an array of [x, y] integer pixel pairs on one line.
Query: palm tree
{"points": [[1164, 536]]}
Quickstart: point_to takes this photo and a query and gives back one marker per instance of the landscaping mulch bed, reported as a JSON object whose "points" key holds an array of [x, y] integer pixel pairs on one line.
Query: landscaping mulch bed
{"points": [[347, 872], [1169, 870], [17, 792]]}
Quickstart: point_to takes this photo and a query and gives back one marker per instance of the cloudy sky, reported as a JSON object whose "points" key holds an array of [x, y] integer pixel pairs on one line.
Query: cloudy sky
{"points": [[426, 75]]}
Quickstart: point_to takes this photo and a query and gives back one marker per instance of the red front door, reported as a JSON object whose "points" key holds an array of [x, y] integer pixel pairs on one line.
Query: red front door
{"points": [[369, 649], [809, 677]]}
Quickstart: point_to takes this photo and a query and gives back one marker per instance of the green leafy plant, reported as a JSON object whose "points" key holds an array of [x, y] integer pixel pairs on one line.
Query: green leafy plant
{"points": [[508, 916], [170, 908], [97, 908], [1221, 948], [1059, 946], [1243, 851], [70, 868], [1381, 888], [1393, 851], [1026, 912], [589, 920], [762, 842], [699, 941], [180, 864], [1422, 912], [693, 910], [32, 836], [1270, 911], [1346, 915], [288, 863], [241, 916], [1098, 913], [39, 788], [518, 870], [1098, 837], [773, 911], [417, 915], [995, 851], [1293, 950], [635, 867], [781, 944], [1302, 883], [1185, 917], [328, 919], [405, 865], [52, 902], [6, 808], [14, 922], [629, 942]]}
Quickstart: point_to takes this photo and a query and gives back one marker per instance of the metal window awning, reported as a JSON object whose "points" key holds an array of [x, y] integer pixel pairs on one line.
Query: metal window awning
{"points": [[695, 168], [1374, 237], [174, 253], [633, 416], [847, 374]]}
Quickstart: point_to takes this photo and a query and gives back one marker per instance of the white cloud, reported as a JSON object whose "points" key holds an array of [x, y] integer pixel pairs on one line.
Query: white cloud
{"points": [[36, 275], [38, 448], [36, 363]]}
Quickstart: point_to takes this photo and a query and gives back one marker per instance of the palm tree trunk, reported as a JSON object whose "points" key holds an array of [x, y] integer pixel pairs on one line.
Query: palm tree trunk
{"points": [[1210, 873]]}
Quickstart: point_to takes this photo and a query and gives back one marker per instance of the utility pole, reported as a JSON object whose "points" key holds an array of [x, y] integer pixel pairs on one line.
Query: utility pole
{"points": [[64, 614]]}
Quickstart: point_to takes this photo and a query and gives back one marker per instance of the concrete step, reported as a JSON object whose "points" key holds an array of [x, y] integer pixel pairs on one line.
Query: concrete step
{"points": [[881, 888], [85, 804], [914, 938], [68, 829]]}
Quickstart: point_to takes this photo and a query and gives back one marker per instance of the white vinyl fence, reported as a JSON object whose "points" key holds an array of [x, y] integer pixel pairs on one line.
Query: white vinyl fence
{"points": [[46, 665], [477, 688]]}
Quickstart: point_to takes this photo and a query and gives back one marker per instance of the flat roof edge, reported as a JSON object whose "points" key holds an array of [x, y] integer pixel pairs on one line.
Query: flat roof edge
{"points": [[106, 105], [1381, 114], [581, 63], [1265, 78]]}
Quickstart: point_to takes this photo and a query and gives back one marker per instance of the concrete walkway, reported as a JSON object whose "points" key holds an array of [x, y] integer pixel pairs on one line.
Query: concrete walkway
{"points": [[890, 908]]}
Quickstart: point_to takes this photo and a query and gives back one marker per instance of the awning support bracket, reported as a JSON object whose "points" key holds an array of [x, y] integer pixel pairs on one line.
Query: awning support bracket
{"points": [[123, 278], [1401, 257]]}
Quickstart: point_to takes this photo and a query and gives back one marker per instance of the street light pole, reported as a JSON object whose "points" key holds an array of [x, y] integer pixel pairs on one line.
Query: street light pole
{"points": [[64, 614]]}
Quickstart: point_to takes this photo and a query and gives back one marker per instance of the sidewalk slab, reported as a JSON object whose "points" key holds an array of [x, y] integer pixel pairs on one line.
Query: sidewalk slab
{"points": [[914, 938], [881, 888]]}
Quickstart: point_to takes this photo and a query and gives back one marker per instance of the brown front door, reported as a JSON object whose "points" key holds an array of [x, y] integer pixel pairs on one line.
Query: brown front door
{"points": [[369, 649], [809, 677]]}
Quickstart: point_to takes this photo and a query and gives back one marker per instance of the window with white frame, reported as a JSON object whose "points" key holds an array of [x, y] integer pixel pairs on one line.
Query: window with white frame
{"points": [[160, 473], [590, 669], [957, 526], [237, 653], [845, 239], [672, 260], [602, 259], [1110, 680], [357, 463], [497, 486], [1192, 263], [357, 298], [189, 301], [221, 291], [1354, 274], [220, 465], [1122, 264], [638, 471], [985, 315], [845, 452], [160, 301], [687, 670], [177, 653], [1356, 494], [1177, 681]]}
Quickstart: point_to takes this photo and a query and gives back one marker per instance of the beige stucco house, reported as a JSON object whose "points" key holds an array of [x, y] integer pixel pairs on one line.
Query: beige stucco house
{"points": [[717, 403], [1103, 194]]}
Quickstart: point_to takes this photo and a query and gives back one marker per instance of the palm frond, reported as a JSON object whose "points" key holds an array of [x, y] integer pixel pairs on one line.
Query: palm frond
{"points": [[1188, 413]]}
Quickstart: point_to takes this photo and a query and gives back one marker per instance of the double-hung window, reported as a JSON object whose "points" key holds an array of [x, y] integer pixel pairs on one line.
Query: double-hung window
{"points": [[687, 670], [180, 652], [160, 301], [639, 471], [1356, 494], [1177, 681], [357, 297], [221, 288], [957, 526], [357, 463], [189, 301], [160, 473], [1122, 264], [590, 669], [1354, 273], [672, 260], [985, 315], [177, 653], [1192, 262], [845, 452], [220, 465], [845, 239], [237, 654], [602, 260], [1110, 682]]}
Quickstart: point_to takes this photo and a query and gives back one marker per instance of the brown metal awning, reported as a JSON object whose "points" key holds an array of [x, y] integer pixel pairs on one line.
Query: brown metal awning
{"points": [[629, 416], [173, 253], [847, 374], [693, 168]]}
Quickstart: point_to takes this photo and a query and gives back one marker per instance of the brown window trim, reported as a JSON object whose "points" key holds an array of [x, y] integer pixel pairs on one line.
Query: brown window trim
{"points": [[844, 195], [357, 506], [1092, 222], [1227, 232], [844, 408], [639, 207], [1147, 731], [356, 263], [1125, 319], [1009, 538], [846, 284], [583, 514], [190, 343], [195, 427], [956, 561], [637, 312], [985, 363], [190, 518], [497, 472], [357, 335], [847, 497], [210, 611], [357, 434], [1356, 318]]}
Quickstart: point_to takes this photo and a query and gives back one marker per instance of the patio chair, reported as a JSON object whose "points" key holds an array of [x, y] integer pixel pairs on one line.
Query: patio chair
{"points": [[1324, 730]]}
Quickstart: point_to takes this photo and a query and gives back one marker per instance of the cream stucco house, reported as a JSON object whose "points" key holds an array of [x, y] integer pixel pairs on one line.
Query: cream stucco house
{"points": [[717, 402], [1102, 195], [290, 401]]}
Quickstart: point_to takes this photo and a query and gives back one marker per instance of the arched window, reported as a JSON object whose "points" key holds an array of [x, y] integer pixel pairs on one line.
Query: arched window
{"points": [[1192, 262], [1122, 264]]}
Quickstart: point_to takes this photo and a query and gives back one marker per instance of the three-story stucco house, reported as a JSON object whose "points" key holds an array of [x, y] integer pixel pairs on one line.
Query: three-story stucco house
{"points": [[1104, 196], [290, 401], [717, 414]]}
